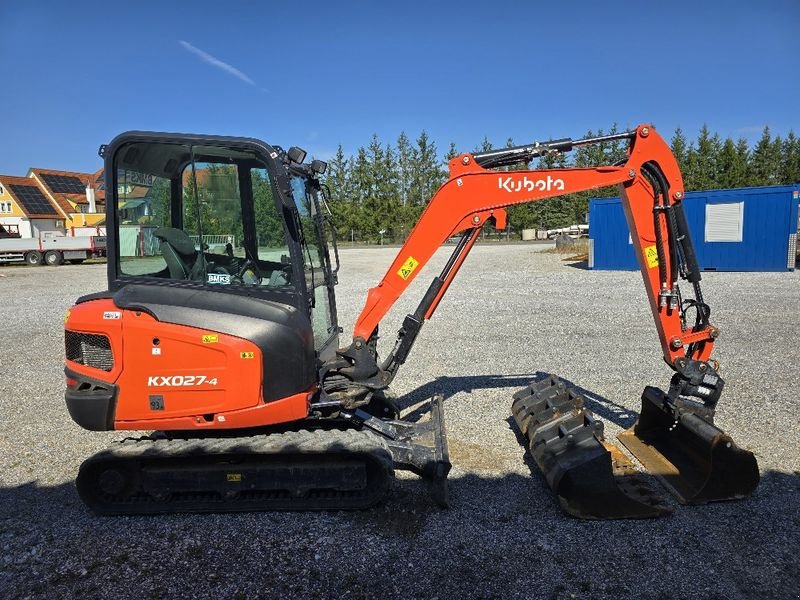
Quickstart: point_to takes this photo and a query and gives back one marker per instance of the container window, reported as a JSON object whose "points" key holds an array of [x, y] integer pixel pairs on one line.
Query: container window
{"points": [[724, 222]]}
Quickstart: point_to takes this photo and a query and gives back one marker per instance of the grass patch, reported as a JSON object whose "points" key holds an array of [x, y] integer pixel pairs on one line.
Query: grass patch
{"points": [[579, 247]]}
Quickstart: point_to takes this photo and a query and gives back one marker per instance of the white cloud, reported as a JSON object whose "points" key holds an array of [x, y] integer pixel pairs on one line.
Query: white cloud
{"points": [[215, 62]]}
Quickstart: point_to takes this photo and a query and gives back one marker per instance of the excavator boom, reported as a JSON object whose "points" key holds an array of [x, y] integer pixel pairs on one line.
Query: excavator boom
{"points": [[474, 194]]}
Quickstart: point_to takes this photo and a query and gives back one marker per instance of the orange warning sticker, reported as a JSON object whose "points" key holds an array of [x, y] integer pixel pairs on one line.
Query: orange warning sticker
{"points": [[651, 256], [408, 267]]}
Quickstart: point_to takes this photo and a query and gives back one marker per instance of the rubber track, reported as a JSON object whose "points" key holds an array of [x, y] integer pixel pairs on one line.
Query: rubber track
{"points": [[137, 457]]}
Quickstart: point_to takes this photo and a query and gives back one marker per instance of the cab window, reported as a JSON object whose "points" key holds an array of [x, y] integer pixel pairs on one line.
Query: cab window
{"points": [[313, 262], [182, 218]]}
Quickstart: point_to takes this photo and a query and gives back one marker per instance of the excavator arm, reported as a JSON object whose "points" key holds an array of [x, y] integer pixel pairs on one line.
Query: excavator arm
{"points": [[652, 190], [675, 437]]}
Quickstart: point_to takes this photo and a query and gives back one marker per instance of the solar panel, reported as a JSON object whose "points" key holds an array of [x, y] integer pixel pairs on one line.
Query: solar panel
{"points": [[64, 184], [32, 200]]}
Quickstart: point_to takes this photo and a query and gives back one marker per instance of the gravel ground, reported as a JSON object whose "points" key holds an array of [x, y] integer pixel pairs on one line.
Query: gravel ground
{"points": [[512, 313]]}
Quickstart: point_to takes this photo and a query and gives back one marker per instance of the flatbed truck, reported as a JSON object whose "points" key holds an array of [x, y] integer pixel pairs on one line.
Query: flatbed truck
{"points": [[51, 249]]}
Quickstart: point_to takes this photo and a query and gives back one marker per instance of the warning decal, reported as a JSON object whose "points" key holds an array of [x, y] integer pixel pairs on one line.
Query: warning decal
{"points": [[408, 267], [651, 256], [210, 339]]}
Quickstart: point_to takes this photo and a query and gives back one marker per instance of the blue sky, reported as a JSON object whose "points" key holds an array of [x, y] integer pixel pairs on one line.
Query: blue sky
{"points": [[316, 74]]}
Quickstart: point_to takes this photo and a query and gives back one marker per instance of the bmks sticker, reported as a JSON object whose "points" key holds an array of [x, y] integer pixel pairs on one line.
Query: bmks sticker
{"points": [[219, 278]]}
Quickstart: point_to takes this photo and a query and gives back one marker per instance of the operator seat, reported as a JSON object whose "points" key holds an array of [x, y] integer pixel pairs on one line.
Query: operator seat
{"points": [[177, 248]]}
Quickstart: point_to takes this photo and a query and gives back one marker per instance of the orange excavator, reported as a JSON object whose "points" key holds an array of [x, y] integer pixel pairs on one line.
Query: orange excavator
{"points": [[218, 338]]}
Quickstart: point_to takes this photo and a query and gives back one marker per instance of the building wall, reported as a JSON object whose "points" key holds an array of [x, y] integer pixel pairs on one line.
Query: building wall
{"points": [[16, 211], [85, 219], [39, 226], [769, 221], [22, 222]]}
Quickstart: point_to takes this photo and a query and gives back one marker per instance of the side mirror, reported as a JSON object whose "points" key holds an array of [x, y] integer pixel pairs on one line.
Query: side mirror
{"points": [[296, 155]]}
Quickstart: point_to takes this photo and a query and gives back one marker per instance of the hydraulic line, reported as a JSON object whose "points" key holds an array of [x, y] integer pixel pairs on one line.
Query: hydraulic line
{"points": [[662, 190], [681, 239], [662, 269]]}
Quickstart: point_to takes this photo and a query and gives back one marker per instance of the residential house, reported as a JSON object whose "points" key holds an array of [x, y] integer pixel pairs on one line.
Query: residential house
{"points": [[25, 211], [77, 195]]}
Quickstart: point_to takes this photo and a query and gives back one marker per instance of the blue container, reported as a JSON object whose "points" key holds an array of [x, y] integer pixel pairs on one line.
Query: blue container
{"points": [[743, 229]]}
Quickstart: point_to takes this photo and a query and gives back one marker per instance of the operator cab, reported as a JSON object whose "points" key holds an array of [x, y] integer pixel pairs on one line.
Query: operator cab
{"points": [[221, 216]]}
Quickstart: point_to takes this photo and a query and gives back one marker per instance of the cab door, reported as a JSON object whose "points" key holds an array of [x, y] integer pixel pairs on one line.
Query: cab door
{"points": [[320, 279]]}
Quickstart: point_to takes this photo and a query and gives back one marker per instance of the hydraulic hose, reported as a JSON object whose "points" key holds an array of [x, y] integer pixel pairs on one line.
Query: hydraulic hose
{"points": [[670, 218], [662, 269]]}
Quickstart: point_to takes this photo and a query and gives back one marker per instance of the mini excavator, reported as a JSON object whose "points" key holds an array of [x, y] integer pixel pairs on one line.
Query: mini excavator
{"points": [[218, 338]]}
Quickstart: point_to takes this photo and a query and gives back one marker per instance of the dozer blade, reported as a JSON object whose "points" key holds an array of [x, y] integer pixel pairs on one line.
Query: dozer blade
{"points": [[694, 459], [591, 479], [419, 447]]}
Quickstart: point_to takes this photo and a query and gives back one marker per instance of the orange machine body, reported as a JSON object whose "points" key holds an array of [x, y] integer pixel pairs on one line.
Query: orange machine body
{"points": [[175, 377]]}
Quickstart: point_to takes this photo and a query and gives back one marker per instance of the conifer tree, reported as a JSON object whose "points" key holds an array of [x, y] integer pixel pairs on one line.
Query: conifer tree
{"points": [[404, 166], [679, 149], [790, 163], [765, 160]]}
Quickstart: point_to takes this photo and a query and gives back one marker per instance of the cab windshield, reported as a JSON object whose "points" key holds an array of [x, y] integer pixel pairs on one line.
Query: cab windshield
{"points": [[201, 214]]}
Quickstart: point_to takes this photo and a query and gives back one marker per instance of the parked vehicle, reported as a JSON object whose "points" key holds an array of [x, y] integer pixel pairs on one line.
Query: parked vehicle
{"points": [[574, 231], [51, 249]]}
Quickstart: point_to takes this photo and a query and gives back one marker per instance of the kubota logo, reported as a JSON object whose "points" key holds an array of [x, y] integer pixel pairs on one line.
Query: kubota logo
{"points": [[542, 185], [179, 380]]}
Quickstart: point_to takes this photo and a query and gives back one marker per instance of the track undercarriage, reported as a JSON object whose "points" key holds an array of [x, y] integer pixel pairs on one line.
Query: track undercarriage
{"points": [[345, 465]]}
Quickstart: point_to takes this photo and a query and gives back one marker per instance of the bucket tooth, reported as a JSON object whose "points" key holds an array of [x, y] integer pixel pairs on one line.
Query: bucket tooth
{"points": [[566, 442], [694, 459]]}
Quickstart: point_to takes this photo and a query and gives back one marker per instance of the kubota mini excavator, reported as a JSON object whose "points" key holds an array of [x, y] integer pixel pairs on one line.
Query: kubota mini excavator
{"points": [[219, 334]]}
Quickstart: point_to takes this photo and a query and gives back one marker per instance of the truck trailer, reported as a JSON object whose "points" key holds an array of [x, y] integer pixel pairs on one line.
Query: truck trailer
{"points": [[51, 249]]}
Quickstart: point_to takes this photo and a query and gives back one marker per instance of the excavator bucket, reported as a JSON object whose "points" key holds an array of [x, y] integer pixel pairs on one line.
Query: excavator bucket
{"points": [[694, 459], [590, 479]]}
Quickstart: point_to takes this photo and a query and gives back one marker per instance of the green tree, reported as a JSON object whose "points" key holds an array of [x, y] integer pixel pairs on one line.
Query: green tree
{"points": [[484, 146], [790, 164], [679, 148], [269, 222], [703, 164], [159, 198], [405, 161], [342, 204], [744, 159], [426, 175], [731, 166], [766, 160]]}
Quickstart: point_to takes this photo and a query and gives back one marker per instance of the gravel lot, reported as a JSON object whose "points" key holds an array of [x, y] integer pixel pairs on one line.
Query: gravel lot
{"points": [[512, 313]]}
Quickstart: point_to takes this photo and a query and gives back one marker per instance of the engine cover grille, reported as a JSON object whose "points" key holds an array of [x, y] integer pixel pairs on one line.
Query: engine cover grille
{"points": [[91, 350]]}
